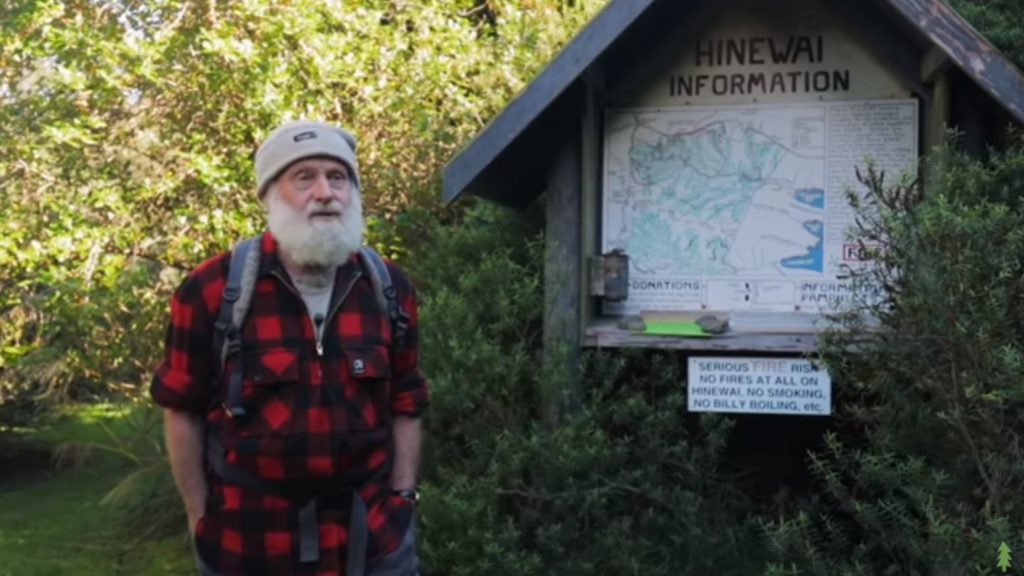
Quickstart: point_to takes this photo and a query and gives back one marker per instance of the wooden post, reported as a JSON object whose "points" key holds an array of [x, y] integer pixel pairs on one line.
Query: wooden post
{"points": [[590, 182], [562, 283], [935, 71]]}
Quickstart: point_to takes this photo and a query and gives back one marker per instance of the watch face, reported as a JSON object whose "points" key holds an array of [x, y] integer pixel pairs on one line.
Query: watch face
{"points": [[411, 495]]}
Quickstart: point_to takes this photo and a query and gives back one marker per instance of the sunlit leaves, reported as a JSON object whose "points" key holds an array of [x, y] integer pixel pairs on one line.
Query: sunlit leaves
{"points": [[128, 129]]}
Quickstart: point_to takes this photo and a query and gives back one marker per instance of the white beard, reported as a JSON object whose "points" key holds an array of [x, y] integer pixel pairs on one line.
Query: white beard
{"points": [[308, 242]]}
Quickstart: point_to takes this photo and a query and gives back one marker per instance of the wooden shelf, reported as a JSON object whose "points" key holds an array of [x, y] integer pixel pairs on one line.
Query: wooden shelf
{"points": [[750, 332]]}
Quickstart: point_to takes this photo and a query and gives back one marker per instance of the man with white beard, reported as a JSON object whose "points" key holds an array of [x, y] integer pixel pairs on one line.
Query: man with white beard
{"points": [[298, 453]]}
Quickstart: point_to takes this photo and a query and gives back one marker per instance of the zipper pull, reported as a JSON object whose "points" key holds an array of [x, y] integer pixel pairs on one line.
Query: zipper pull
{"points": [[318, 321]]}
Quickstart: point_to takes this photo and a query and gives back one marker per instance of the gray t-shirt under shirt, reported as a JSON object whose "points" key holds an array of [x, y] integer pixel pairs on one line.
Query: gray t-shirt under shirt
{"points": [[317, 296]]}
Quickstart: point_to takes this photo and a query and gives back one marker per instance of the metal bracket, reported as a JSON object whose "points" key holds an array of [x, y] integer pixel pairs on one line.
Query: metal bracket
{"points": [[609, 275]]}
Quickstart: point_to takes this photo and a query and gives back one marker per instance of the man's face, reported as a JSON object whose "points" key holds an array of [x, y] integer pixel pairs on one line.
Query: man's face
{"points": [[314, 212]]}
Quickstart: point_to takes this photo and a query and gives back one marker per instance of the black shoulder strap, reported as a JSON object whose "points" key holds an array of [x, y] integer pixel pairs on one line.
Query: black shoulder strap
{"points": [[384, 288], [234, 306]]}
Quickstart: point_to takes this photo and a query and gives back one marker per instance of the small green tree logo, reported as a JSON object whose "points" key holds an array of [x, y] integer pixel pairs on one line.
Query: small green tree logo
{"points": [[1004, 561]]}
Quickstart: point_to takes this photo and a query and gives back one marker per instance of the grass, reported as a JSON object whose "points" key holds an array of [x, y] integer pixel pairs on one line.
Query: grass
{"points": [[53, 521]]}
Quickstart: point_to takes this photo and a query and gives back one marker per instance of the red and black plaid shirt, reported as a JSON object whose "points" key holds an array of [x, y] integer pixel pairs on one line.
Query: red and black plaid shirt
{"points": [[315, 421]]}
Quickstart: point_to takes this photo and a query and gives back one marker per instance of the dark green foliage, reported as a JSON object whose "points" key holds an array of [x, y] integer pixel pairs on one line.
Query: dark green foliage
{"points": [[627, 485], [933, 479], [481, 302]]}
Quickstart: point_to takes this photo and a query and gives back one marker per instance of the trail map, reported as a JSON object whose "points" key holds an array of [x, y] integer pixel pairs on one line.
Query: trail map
{"points": [[729, 208]]}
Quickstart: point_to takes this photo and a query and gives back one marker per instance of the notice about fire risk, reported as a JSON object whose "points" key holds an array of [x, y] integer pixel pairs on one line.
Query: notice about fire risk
{"points": [[759, 386]]}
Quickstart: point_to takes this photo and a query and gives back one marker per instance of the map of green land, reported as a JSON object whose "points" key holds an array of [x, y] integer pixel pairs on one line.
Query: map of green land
{"points": [[735, 206]]}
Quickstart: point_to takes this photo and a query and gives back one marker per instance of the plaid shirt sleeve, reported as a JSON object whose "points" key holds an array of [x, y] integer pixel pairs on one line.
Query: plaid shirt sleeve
{"points": [[183, 379], [409, 387]]}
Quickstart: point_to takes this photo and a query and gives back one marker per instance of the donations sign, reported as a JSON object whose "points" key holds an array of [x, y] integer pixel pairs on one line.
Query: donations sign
{"points": [[758, 386]]}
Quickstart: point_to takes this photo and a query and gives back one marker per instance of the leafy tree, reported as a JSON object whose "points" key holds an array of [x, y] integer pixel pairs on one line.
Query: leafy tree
{"points": [[127, 132]]}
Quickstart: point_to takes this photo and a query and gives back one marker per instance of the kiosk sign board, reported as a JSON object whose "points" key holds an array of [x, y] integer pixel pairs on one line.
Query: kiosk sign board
{"points": [[725, 173], [758, 386]]}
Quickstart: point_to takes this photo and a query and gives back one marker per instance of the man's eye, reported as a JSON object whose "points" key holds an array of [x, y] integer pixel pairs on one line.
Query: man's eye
{"points": [[337, 176]]}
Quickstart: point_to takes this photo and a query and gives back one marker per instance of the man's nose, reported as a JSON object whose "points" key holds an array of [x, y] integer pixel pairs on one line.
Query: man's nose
{"points": [[322, 189]]}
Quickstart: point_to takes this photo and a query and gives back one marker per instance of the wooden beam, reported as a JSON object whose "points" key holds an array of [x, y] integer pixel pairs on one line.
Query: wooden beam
{"points": [[563, 283], [934, 64], [590, 182], [936, 121], [969, 51]]}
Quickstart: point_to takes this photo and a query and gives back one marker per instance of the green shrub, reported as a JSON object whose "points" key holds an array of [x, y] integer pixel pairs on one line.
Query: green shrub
{"points": [[929, 476], [625, 485]]}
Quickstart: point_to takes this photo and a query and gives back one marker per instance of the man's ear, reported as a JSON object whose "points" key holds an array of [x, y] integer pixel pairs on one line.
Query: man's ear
{"points": [[265, 200]]}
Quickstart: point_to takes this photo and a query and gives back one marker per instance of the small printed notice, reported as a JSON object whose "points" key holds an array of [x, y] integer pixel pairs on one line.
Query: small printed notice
{"points": [[759, 386]]}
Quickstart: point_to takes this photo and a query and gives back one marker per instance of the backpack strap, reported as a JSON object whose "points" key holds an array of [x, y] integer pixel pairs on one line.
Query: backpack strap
{"points": [[384, 288], [237, 295]]}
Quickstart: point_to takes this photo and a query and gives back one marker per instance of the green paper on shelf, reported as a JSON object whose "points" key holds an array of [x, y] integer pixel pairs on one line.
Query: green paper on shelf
{"points": [[674, 328]]}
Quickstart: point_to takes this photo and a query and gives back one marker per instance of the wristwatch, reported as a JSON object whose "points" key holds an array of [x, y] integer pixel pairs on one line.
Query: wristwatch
{"points": [[409, 494]]}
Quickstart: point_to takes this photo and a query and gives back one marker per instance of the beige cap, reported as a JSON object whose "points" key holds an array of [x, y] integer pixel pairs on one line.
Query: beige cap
{"points": [[294, 141]]}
